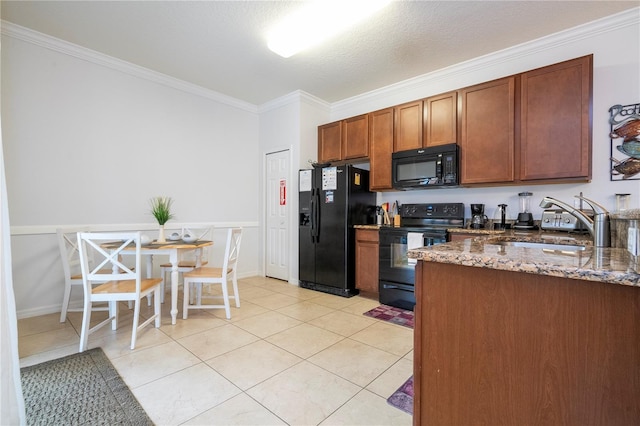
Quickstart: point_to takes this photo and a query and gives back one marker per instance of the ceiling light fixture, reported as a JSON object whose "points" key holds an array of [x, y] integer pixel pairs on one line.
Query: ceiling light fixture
{"points": [[318, 21]]}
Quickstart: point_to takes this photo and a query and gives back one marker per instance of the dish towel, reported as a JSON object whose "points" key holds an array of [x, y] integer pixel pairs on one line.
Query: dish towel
{"points": [[414, 240]]}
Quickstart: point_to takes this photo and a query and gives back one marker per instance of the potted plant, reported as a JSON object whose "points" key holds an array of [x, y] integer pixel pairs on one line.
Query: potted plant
{"points": [[161, 210]]}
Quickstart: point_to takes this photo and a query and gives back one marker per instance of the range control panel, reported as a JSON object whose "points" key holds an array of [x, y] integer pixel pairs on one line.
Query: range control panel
{"points": [[432, 211]]}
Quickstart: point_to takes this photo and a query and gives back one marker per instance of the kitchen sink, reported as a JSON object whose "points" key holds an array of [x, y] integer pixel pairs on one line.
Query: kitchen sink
{"points": [[544, 246]]}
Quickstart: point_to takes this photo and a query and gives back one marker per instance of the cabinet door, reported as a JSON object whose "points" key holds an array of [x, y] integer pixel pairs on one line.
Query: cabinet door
{"points": [[356, 137], [381, 138], [441, 119], [408, 126], [367, 245], [330, 142], [555, 134], [487, 139]]}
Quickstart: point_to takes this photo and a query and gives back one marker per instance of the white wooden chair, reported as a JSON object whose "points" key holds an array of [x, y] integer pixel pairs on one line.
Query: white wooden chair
{"points": [[188, 262], [211, 275], [119, 281], [68, 245]]}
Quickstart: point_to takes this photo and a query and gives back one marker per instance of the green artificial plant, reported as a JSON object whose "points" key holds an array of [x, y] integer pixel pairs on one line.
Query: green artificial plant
{"points": [[161, 209]]}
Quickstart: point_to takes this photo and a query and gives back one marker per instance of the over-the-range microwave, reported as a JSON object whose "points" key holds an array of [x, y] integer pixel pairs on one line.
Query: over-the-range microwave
{"points": [[426, 167]]}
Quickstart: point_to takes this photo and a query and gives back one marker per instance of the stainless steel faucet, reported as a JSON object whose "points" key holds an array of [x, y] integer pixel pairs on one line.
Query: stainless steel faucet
{"points": [[598, 226]]}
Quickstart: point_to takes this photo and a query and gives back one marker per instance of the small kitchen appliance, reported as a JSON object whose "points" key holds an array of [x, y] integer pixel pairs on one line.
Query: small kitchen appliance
{"points": [[525, 218], [425, 168], [500, 217], [561, 220], [478, 218]]}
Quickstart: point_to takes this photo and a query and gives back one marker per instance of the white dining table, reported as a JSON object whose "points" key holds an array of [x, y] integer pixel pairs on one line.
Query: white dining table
{"points": [[174, 249]]}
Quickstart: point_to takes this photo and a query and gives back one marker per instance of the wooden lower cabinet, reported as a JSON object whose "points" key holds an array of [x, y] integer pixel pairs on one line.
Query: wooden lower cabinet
{"points": [[367, 249], [499, 347]]}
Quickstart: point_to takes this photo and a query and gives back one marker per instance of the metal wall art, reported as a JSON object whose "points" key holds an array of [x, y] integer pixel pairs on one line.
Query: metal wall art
{"points": [[625, 136]]}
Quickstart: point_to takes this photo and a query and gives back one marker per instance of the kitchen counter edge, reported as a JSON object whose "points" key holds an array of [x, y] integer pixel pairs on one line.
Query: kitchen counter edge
{"points": [[372, 227], [608, 265]]}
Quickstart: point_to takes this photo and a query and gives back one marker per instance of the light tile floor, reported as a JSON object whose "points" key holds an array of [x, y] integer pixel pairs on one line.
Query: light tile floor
{"points": [[287, 356]]}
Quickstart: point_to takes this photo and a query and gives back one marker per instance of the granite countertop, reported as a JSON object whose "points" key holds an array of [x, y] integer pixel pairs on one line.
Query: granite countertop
{"points": [[374, 227], [475, 231], [609, 265]]}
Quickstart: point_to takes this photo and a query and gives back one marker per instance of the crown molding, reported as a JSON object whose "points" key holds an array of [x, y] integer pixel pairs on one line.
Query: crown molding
{"points": [[298, 96], [39, 39], [585, 31]]}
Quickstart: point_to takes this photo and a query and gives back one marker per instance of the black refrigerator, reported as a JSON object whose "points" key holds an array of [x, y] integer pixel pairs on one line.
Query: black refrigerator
{"points": [[332, 201]]}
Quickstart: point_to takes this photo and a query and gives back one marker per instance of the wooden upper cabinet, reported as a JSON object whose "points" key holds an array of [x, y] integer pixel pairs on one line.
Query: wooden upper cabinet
{"points": [[355, 134], [381, 139], [487, 132], [441, 119], [330, 142], [555, 133], [408, 126], [534, 127]]}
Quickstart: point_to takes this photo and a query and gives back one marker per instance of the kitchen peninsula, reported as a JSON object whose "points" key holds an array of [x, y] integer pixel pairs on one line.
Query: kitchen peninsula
{"points": [[526, 335]]}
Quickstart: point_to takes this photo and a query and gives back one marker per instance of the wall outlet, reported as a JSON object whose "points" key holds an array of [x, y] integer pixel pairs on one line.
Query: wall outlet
{"points": [[632, 241]]}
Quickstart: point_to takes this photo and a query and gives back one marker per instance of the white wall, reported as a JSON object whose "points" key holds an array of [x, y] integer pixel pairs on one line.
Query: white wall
{"points": [[615, 44], [63, 107], [291, 123], [89, 140]]}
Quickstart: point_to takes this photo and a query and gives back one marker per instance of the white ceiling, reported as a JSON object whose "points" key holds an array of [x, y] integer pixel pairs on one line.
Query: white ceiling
{"points": [[220, 45]]}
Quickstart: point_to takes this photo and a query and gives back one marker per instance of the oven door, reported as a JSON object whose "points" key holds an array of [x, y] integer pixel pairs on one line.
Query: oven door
{"points": [[396, 270], [394, 265]]}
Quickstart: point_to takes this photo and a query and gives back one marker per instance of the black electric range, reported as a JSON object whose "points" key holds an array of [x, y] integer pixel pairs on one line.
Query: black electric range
{"points": [[420, 225]]}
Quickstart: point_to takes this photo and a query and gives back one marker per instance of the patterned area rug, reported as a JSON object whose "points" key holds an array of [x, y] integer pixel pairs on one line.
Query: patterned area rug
{"points": [[392, 314], [403, 397], [79, 389]]}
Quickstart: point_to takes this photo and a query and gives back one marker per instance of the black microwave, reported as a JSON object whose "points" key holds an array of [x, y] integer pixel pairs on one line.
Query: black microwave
{"points": [[426, 167]]}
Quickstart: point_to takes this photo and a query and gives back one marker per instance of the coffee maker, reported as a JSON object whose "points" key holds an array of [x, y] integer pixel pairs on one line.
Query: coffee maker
{"points": [[478, 218]]}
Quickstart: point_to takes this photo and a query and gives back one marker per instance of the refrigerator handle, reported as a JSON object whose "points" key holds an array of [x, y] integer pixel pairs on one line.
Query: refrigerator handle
{"points": [[315, 231], [313, 215]]}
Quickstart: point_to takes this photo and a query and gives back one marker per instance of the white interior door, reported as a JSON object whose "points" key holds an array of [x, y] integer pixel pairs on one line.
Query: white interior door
{"points": [[278, 199]]}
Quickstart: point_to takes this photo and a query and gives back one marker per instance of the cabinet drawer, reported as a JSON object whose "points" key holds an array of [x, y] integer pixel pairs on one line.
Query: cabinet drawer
{"points": [[367, 235]]}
